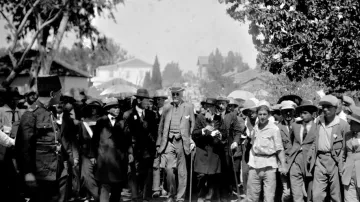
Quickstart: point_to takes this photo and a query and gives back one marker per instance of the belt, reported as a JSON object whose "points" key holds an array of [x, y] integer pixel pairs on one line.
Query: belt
{"points": [[265, 155], [173, 139]]}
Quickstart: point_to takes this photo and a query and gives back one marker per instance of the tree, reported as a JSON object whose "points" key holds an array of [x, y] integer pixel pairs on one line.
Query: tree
{"points": [[156, 81], [306, 39], [190, 77], [147, 80], [46, 21], [172, 74], [86, 58]]}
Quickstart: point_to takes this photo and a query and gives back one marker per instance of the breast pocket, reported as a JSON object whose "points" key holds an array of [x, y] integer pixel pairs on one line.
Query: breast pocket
{"points": [[264, 145]]}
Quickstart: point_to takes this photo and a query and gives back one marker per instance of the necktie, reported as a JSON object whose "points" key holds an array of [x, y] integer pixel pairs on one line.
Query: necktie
{"points": [[142, 115], [13, 117], [304, 132]]}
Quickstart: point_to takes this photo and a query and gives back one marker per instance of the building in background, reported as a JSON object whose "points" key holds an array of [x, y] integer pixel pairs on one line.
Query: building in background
{"points": [[132, 70], [71, 77]]}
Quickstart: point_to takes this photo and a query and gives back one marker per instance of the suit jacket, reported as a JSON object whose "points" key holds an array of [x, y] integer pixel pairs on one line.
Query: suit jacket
{"points": [[337, 144], [187, 124], [300, 147], [142, 131], [110, 145], [286, 138], [68, 131]]}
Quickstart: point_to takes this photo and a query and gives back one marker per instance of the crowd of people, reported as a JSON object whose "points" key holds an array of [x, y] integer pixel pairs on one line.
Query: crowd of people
{"points": [[57, 148]]}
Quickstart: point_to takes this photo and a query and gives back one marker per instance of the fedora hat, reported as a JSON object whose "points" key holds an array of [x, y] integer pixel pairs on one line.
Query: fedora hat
{"points": [[248, 105], [67, 98], [176, 87], [13, 94], [161, 94], [354, 113], [307, 105], [233, 102], [110, 102], [210, 101], [222, 98], [142, 93]]}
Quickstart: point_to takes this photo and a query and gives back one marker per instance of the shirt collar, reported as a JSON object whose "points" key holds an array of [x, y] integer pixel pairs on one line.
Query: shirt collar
{"points": [[8, 109], [139, 110], [270, 125], [111, 117]]}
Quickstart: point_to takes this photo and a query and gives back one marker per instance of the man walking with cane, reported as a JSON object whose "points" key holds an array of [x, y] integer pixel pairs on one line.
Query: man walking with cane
{"points": [[174, 141]]}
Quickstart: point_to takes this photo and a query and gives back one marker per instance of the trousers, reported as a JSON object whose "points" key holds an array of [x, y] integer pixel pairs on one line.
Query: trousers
{"points": [[326, 178], [51, 191], [206, 186], [173, 159], [265, 177], [352, 191], [141, 177], [87, 178]]}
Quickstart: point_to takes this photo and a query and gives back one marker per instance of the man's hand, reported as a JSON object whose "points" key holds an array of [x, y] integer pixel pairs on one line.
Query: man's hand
{"points": [[209, 128], [131, 158], [282, 170], [30, 180], [76, 162], [93, 161], [234, 145]]}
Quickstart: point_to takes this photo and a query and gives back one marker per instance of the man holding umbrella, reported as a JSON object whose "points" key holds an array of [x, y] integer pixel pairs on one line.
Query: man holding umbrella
{"points": [[174, 141]]}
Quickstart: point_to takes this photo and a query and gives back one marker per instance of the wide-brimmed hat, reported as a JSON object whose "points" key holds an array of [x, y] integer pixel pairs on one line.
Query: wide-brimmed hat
{"points": [[233, 102], [295, 98], [161, 94], [354, 113], [348, 100], [248, 105], [110, 102], [329, 100], [288, 104], [307, 105], [264, 103], [142, 93], [222, 98], [176, 87], [209, 101]]}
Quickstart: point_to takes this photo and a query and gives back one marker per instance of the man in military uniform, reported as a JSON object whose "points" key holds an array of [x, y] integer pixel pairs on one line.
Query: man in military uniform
{"points": [[39, 151]]}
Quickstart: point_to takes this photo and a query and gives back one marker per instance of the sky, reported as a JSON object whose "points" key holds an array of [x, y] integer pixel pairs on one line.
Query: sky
{"points": [[174, 30]]}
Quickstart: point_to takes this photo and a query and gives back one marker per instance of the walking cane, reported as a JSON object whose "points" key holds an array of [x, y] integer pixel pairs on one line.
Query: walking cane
{"points": [[191, 172], [236, 180]]}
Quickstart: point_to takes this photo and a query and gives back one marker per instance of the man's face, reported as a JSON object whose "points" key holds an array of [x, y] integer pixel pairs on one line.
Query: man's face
{"points": [[263, 116], [252, 114], [222, 105], [143, 103], [114, 111], [306, 116], [288, 114], [211, 108], [55, 98], [59, 108], [68, 106], [151, 105], [277, 116], [177, 97], [329, 111], [160, 102]]}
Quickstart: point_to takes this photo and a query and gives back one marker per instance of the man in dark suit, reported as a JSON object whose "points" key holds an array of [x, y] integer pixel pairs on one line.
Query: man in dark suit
{"points": [[174, 141], [324, 160], [231, 129], [303, 135], [140, 124], [110, 146]]}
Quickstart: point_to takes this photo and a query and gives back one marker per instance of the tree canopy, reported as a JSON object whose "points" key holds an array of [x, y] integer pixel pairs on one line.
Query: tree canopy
{"points": [[172, 74], [45, 22], [319, 39]]}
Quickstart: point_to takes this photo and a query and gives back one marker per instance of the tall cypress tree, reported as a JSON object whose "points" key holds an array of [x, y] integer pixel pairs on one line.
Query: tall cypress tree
{"points": [[156, 81], [147, 80]]}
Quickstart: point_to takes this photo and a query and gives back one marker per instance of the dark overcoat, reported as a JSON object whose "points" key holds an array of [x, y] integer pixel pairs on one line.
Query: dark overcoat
{"points": [[207, 160], [110, 147], [143, 132]]}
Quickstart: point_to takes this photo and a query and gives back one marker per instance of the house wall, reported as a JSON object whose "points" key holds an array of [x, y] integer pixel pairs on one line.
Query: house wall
{"points": [[134, 75], [74, 82]]}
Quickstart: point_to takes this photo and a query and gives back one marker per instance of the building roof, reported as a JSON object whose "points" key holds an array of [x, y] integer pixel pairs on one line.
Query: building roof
{"points": [[58, 67], [251, 74], [133, 62], [203, 60]]}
